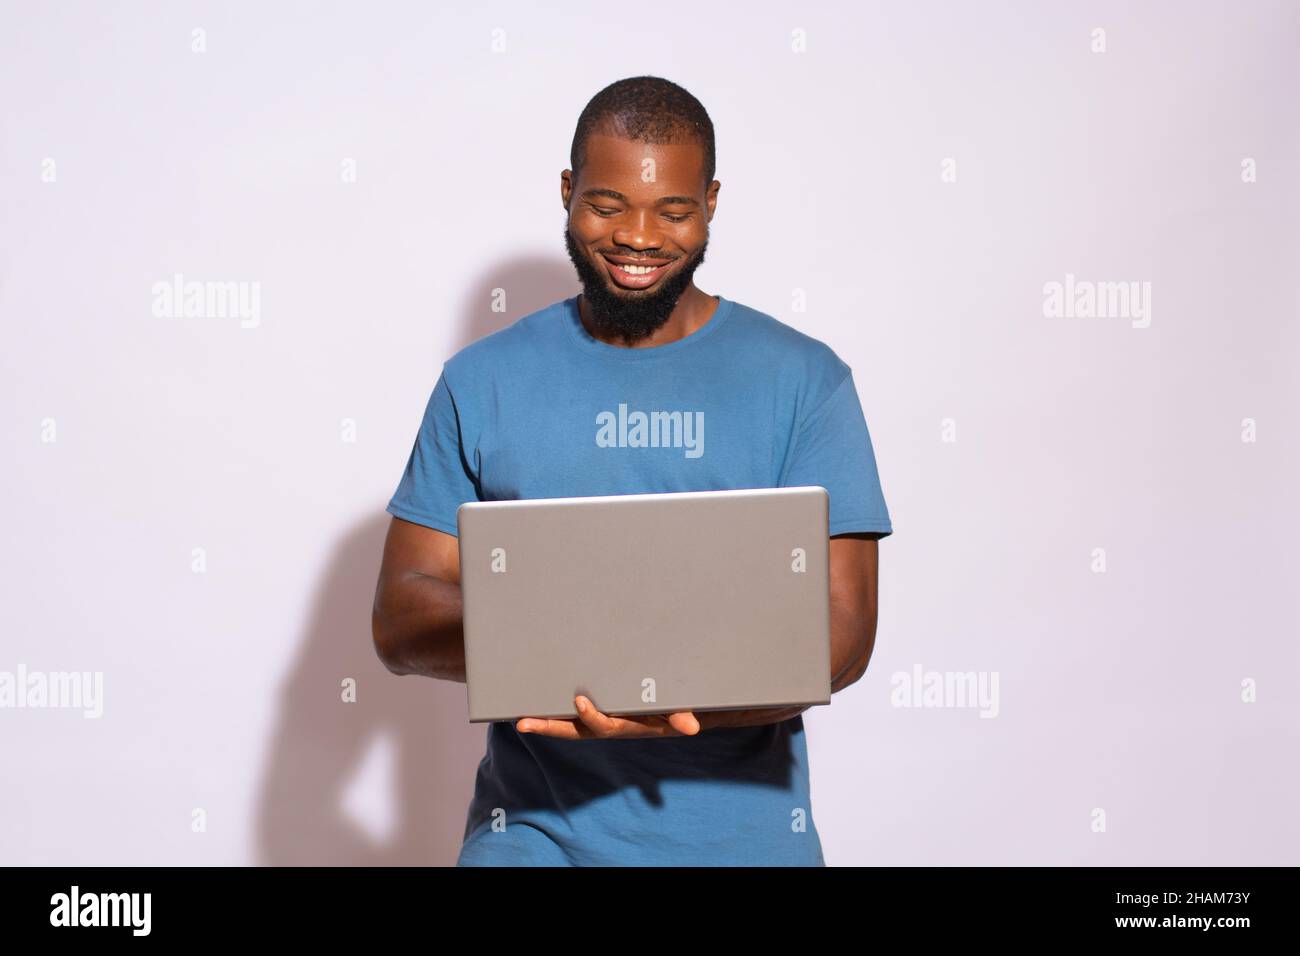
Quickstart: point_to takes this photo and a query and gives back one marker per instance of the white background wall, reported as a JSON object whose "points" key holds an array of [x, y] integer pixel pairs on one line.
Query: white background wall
{"points": [[1119, 691]]}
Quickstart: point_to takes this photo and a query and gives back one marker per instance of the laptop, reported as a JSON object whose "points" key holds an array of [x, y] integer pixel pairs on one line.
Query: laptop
{"points": [[646, 603]]}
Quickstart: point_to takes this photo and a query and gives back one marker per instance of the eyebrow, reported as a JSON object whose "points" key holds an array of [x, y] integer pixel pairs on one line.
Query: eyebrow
{"points": [[661, 201]]}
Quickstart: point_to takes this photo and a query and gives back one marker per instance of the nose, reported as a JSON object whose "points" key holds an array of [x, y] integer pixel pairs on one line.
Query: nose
{"points": [[637, 231]]}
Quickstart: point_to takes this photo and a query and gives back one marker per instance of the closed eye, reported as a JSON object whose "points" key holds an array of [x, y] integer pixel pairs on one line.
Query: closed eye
{"points": [[606, 213]]}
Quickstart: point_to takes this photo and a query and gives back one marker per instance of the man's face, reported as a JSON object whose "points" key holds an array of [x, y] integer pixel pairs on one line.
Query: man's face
{"points": [[657, 228]]}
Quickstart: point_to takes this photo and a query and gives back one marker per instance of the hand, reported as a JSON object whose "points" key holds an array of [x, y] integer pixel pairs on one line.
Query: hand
{"points": [[592, 724]]}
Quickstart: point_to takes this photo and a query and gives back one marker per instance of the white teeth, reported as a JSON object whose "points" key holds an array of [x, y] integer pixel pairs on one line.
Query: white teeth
{"points": [[638, 270]]}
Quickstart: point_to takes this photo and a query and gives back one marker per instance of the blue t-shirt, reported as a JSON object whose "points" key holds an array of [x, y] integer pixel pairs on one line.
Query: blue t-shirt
{"points": [[541, 409]]}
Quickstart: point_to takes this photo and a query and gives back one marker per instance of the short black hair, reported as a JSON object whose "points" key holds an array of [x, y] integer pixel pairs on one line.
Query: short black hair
{"points": [[647, 109]]}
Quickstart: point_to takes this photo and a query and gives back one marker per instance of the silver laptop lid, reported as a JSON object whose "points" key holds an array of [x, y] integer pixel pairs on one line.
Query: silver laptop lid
{"points": [[646, 603]]}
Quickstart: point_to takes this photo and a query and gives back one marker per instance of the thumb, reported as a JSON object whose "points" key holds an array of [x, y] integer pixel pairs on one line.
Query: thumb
{"points": [[684, 722]]}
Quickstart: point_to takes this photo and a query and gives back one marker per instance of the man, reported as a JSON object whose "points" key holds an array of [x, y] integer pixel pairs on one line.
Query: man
{"points": [[515, 415]]}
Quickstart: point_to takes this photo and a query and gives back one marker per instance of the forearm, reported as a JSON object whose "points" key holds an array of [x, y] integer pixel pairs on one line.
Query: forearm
{"points": [[418, 627], [853, 637]]}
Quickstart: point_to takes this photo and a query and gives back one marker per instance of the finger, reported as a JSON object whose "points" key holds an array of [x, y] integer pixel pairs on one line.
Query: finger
{"points": [[639, 725], [684, 722], [565, 729], [602, 725]]}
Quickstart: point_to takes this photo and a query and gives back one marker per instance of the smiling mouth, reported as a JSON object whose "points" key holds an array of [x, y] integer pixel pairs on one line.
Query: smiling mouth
{"points": [[631, 274]]}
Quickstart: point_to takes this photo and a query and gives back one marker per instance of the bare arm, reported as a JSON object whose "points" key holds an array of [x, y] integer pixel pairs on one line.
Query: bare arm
{"points": [[416, 620], [417, 624], [855, 562]]}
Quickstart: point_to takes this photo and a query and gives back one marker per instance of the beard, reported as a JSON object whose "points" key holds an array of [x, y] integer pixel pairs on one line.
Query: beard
{"points": [[630, 315]]}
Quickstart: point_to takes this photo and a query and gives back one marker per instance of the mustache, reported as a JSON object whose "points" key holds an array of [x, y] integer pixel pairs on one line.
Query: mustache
{"points": [[637, 256]]}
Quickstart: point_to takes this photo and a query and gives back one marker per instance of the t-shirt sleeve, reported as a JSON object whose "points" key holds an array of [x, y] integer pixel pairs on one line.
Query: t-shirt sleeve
{"points": [[439, 477], [833, 449]]}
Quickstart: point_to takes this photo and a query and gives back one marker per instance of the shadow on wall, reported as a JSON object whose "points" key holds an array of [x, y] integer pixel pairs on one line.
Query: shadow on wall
{"points": [[321, 742]]}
